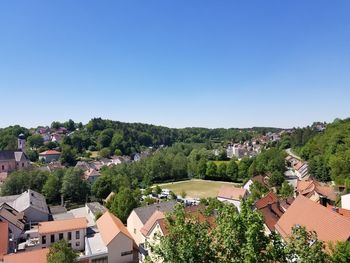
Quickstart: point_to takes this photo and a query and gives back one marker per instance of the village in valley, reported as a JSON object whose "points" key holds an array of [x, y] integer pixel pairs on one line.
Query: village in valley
{"points": [[174, 131], [31, 223]]}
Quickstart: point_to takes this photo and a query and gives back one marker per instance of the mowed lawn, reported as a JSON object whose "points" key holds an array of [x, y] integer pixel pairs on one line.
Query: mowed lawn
{"points": [[196, 188]]}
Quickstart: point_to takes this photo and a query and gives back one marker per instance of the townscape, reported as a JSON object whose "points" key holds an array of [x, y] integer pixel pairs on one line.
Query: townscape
{"points": [[103, 211], [186, 131]]}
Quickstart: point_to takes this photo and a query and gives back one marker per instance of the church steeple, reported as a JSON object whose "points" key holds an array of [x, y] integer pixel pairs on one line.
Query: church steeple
{"points": [[21, 140]]}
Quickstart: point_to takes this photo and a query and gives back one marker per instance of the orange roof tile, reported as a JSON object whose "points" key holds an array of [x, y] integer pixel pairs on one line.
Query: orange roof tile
{"points": [[34, 256], [230, 192], [4, 238], [110, 226], [62, 225], [268, 199], [151, 221], [328, 225], [339, 210]]}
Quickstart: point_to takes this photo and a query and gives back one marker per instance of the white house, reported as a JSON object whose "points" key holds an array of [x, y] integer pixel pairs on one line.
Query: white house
{"points": [[71, 230], [116, 238]]}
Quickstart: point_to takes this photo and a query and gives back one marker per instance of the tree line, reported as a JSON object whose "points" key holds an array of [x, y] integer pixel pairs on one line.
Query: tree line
{"points": [[238, 237]]}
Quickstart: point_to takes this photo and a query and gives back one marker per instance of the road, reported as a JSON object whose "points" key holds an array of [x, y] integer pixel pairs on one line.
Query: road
{"points": [[289, 151]]}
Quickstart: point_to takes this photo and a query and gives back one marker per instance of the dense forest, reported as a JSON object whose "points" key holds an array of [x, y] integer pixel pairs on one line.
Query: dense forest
{"points": [[114, 137], [328, 153]]}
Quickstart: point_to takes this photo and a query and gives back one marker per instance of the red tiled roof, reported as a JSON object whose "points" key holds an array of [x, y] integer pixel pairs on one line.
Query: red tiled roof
{"points": [[4, 238], [329, 226], [308, 187], [49, 152], [110, 226], [62, 225], [151, 221], [34, 256], [268, 199], [341, 211], [233, 193]]}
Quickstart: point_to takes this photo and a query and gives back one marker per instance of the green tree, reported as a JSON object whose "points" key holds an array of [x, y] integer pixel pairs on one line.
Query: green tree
{"points": [[341, 252], [105, 152], [276, 179], [232, 171], [286, 190], [74, 188], [68, 156], [188, 240], [222, 171], [304, 247], [60, 252], [35, 141], [211, 170], [51, 189], [123, 203], [32, 155], [23, 180], [102, 186], [157, 190], [257, 190]]}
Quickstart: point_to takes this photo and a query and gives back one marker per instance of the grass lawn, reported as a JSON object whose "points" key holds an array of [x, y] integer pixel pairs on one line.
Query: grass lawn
{"points": [[196, 188], [219, 162], [94, 154]]}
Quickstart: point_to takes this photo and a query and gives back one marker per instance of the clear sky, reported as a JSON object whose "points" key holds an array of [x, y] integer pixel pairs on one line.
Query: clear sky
{"points": [[219, 63]]}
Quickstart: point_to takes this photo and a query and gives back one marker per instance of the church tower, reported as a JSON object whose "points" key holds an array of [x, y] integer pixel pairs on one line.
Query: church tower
{"points": [[21, 142]]}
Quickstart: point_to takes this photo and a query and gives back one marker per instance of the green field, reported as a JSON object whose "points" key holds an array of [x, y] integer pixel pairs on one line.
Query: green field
{"points": [[196, 188]]}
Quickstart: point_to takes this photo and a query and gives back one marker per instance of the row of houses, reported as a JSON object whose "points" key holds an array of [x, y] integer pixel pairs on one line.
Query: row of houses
{"points": [[301, 168]]}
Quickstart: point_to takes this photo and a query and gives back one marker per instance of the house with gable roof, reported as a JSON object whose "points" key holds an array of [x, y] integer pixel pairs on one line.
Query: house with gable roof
{"points": [[233, 195], [329, 226], [31, 203], [139, 217]]}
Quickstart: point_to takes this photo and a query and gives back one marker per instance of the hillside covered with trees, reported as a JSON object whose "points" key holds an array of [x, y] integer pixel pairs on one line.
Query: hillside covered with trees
{"points": [[328, 153]]}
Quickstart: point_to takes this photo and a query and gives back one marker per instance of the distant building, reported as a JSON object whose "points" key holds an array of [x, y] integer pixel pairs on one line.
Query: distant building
{"points": [[49, 156], [233, 195], [15, 159], [91, 175]]}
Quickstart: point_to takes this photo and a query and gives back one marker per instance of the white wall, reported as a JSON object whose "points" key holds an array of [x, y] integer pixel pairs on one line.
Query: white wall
{"points": [[234, 202], [134, 226], [77, 244], [345, 201], [120, 244]]}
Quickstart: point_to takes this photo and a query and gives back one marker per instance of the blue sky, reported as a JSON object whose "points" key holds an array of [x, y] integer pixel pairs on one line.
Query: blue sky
{"points": [[175, 63]]}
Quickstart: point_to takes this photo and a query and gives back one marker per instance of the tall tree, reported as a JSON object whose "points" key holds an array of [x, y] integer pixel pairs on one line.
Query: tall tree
{"points": [[123, 203], [74, 188], [60, 252]]}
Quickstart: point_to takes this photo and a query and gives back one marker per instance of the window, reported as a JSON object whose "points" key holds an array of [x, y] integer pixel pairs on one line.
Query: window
{"points": [[100, 260], [43, 240], [69, 235], [77, 244], [134, 230], [3, 167], [22, 164], [77, 235], [126, 253], [52, 238], [60, 236]]}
